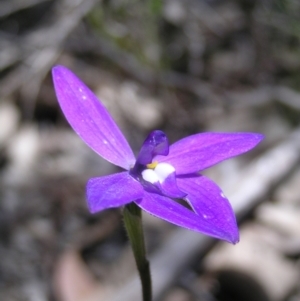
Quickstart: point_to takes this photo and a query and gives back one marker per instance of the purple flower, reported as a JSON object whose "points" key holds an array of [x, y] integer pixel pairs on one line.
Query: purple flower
{"points": [[162, 173]]}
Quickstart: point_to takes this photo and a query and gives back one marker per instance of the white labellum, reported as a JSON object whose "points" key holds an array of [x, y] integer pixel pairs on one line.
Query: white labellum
{"points": [[158, 174]]}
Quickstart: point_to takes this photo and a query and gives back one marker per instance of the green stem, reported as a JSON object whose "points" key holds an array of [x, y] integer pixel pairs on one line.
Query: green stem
{"points": [[134, 227]]}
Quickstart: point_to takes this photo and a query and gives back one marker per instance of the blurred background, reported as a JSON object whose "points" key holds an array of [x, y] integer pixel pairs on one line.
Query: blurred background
{"points": [[182, 66]]}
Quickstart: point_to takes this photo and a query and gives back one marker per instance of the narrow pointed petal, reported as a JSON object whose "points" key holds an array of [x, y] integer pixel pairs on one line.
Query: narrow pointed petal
{"points": [[90, 119], [112, 191], [173, 212], [200, 151], [208, 201]]}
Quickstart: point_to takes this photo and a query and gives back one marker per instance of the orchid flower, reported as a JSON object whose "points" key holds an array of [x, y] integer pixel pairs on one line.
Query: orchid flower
{"points": [[161, 174]]}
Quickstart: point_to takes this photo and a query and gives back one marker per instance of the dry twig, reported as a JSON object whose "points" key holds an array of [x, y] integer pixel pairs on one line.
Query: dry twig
{"points": [[42, 48]]}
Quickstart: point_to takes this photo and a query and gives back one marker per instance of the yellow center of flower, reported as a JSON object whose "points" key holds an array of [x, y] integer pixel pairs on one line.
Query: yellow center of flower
{"points": [[152, 165]]}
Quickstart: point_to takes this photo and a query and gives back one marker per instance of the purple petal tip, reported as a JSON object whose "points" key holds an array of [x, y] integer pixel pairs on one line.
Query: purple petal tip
{"points": [[90, 119]]}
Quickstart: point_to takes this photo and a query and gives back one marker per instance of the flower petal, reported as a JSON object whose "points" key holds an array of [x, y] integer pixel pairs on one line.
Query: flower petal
{"points": [[112, 191], [208, 201], [200, 151], [175, 213], [90, 119]]}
